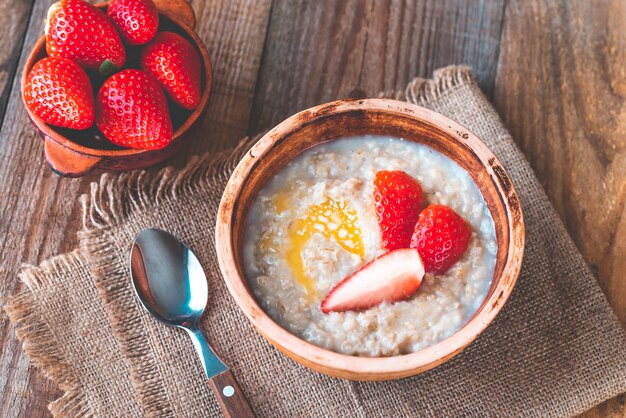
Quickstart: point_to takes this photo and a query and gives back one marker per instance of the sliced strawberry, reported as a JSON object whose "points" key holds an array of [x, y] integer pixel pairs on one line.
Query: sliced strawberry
{"points": [[398, 200], [59, 92], [175, 63], [441, 237], [392, 277], [81, 32], [137, 20]]}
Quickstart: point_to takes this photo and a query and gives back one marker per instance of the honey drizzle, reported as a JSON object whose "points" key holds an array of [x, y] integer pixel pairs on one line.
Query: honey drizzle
{"points": [[335, 221]]}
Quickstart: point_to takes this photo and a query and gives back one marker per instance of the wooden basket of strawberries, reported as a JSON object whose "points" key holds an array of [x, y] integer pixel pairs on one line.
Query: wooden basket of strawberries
{"points": [[116, 85]]}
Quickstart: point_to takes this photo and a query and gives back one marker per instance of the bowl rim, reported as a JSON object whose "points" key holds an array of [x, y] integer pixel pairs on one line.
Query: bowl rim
{"points": [[356, 367], [62, 140]]}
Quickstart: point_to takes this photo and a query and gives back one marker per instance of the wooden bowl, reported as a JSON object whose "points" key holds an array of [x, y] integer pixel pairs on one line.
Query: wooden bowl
{"points": [[379, 117], [74, 153]]}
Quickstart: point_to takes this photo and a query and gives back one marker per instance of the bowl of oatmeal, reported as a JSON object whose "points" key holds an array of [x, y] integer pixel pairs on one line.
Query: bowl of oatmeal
{"points": [[370, 239]]}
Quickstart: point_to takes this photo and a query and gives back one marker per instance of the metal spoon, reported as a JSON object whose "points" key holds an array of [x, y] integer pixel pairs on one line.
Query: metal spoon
{"points": [[172, 286]]}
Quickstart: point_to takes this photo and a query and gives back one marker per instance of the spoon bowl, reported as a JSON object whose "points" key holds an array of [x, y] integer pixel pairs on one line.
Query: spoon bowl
{"points": [[168, 278]]}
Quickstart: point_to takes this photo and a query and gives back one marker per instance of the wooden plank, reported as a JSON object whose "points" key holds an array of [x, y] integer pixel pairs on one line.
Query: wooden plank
{"points": [[331, 49], [40, 211], [234, 33], [13, 23], [26, 189], [561, 89]]}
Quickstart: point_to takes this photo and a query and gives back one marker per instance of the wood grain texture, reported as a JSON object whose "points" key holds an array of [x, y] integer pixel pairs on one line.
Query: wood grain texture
{"points": [[37, 209], [561, 89], [234, 34], [233, 404], [13, 22], [326, 50], [179, 8], [40, 212]]}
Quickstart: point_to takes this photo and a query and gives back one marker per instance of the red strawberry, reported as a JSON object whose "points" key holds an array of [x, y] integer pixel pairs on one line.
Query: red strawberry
{"points": [[174, 61], [391, 277], [131, 111], [398, 200], [81, 32], [137, 20], [441, 237], [59, 92]]}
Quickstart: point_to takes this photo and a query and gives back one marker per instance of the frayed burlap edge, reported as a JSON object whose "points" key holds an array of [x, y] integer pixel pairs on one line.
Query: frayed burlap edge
{"points": [[424, 90], [108, 204], [114, 197], [39, 342], [421, 90]]}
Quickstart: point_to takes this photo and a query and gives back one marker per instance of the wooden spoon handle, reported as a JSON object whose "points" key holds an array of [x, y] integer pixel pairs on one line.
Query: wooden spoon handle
{"points": [[230, 397]]}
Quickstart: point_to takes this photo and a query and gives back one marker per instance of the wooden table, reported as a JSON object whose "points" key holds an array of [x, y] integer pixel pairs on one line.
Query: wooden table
{"points": [[554, 69]]}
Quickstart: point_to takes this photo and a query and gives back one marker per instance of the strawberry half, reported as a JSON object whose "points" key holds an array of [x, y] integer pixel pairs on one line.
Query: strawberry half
{"points": [[398, 200], [137, 20], [131, 111], [392, 277], [175, 63], [59, 92], [81, 32], [441, 237]]}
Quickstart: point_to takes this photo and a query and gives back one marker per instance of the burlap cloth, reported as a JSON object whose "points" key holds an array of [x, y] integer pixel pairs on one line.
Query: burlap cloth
{"points": [[555, 350]]}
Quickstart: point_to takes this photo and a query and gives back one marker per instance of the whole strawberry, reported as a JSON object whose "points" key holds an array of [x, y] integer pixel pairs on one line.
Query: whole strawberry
{"points": [[398, 201], [175, 63], [441, 237], [59, 92], [131, 111], [81, 32], [137, 20]]}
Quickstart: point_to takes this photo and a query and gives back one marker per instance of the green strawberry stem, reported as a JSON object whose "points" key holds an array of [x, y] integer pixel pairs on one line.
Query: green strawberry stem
{"points": [[107, 68]]}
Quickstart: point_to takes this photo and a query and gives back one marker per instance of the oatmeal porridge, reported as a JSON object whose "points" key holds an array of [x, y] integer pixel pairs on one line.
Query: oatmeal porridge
{"points": [[316, 223]]}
